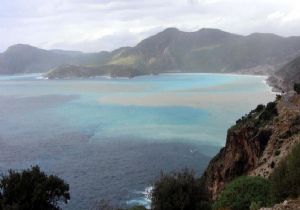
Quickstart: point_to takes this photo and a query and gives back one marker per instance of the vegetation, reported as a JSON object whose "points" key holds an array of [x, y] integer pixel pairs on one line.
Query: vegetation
{"points": [[180, 191], [269, 112], [297, 88], [32, 189], [260, 115], [255, 206], [285, 180], [277, 152], [244, 192]]}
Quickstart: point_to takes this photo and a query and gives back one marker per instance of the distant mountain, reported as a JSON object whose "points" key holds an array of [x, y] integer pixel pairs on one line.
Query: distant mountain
{"points": [[287, 76], [22, 58], [206, 50]]}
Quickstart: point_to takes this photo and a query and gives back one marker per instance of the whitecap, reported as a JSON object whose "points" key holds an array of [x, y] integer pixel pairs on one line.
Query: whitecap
{"points": [[144, 199]]}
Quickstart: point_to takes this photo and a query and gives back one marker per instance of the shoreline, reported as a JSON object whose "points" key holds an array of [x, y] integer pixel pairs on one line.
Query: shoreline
{"points": [[41, 76]]}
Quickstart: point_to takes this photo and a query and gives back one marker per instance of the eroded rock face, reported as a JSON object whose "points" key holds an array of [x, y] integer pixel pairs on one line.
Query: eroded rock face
{"points": [[256, 144]]}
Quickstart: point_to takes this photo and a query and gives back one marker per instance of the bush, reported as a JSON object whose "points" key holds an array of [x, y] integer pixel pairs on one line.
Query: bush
{"points": [[255, 206], [269, 112], [297, 88], [32, 189], [285, 179], [259, 108], [179, 191], [277, 152], [241, 192]]}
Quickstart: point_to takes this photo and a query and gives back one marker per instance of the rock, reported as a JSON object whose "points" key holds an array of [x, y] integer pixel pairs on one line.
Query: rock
{"points": [[253, 146]]}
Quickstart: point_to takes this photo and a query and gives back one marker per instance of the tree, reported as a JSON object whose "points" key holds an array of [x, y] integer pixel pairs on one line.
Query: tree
{"points": [[244, 191], [178, 191], [32, 189], [285, 179]]}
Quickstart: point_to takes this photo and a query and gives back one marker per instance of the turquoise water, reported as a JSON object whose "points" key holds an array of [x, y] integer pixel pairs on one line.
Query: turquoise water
{"points": [[110, 138]]}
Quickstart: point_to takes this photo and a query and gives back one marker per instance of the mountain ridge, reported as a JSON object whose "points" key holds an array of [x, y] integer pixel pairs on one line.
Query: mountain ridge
{"points": [[205, 50]]}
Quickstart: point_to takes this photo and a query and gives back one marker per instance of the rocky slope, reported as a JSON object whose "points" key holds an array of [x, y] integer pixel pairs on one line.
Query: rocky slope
{"points": [[256, 143], [286, 205], [284, 78], [206, 50]]}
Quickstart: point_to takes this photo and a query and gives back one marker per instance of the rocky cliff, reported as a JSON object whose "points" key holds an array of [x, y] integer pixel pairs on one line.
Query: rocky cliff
{"points": [[256, 143]]}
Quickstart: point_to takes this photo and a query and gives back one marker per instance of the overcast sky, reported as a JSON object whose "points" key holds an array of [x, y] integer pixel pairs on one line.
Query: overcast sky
{"points": [[95, 25]]}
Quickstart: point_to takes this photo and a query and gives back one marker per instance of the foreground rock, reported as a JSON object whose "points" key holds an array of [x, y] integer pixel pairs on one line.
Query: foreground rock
{"points": [[286, 205]]}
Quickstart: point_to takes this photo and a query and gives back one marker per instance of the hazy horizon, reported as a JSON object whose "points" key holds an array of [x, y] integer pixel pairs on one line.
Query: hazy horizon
{"points": [[97, 25]]}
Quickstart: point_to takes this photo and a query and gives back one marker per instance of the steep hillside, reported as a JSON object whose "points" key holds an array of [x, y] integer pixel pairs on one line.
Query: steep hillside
{"points": [[209, 50], [206, 50], [256, 143], [285, 77]]}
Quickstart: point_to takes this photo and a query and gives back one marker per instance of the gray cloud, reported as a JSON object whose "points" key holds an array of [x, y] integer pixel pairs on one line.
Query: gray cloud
{"points": [[94, 25]]}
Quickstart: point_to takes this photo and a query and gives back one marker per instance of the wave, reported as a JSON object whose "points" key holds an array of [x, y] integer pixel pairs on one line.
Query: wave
{"points": [[144, 199]]}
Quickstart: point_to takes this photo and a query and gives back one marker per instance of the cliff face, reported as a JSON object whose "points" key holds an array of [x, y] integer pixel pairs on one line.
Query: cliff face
{"points": [[256, 144]]}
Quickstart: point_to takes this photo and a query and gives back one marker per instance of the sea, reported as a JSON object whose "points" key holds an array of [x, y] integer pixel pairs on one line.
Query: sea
{"points": [[111, 138]]}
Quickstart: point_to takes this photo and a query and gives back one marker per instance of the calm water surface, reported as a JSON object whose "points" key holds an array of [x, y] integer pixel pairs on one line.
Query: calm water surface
{"points": [[110, 138]]}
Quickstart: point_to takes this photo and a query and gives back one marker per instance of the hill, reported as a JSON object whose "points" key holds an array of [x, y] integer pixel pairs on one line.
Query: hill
{"points": [[22, 58], [287, 76], [206, 50]]}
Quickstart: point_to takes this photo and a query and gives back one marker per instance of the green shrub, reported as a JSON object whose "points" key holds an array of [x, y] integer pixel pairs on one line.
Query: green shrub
{"points": [[285, 179], [180, 191], [259, 108], [269, 112], [255, 206], [297, 88], [277, 152], [241, 192], [32, 189]]}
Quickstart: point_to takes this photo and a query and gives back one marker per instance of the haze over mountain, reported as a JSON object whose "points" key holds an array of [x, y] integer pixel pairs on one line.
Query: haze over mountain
{"points": [[172, 50], [285, 78]]}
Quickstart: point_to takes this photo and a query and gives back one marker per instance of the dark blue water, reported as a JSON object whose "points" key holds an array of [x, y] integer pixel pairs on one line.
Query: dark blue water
{"points": [[110, 138]]}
